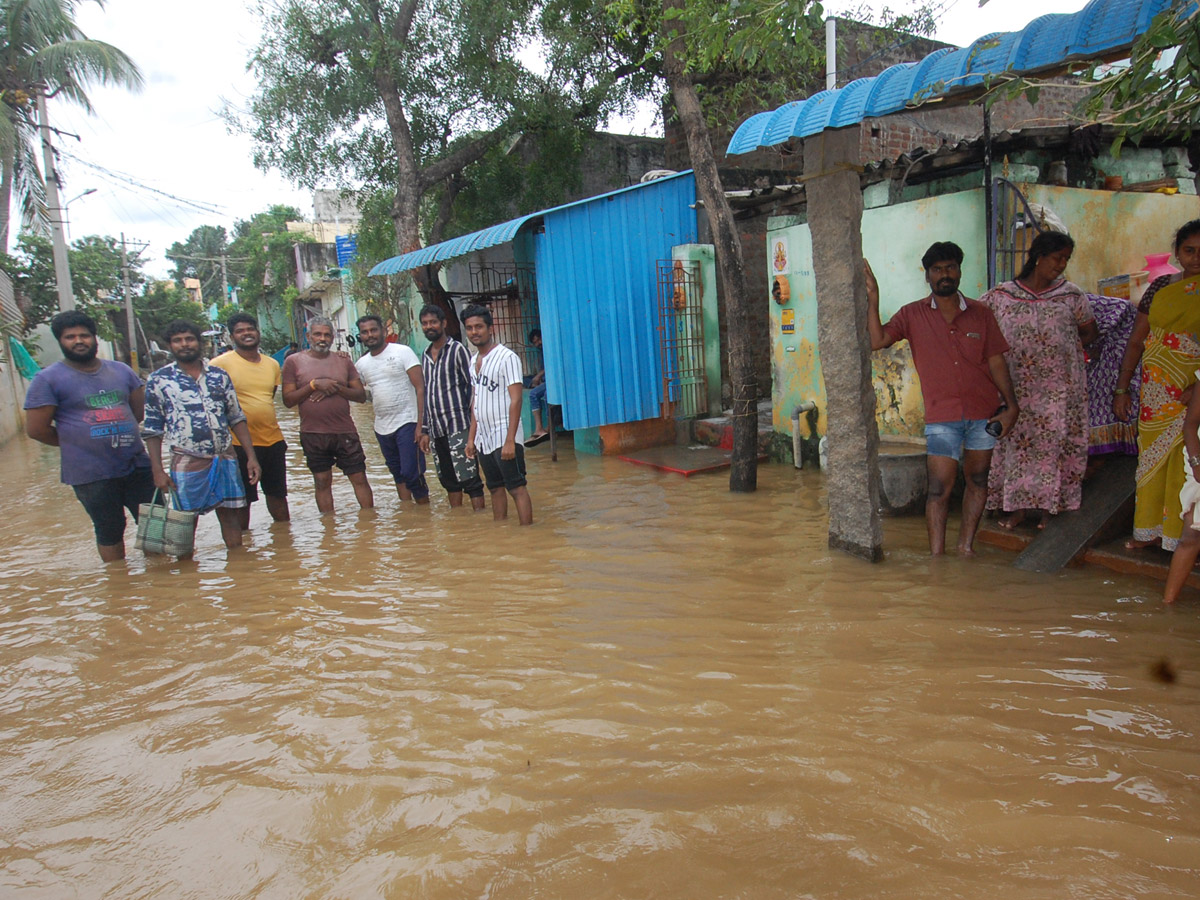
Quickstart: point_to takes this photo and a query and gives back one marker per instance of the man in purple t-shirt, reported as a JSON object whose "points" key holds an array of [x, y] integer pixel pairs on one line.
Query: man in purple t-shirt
{"points": [[90, 408], [958, 352]]}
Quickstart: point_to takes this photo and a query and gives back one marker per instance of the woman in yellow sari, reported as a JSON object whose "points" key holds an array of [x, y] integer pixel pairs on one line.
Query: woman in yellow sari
{"points": [[1166, 339]]}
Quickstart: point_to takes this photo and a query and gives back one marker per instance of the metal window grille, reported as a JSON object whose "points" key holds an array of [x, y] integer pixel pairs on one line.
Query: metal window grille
{"points": [[510, 292], [1014, 226], [681, 339]]}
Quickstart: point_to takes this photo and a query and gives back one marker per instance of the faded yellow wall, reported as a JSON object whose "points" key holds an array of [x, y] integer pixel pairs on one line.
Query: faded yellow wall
{"points": [[1113, 233]]}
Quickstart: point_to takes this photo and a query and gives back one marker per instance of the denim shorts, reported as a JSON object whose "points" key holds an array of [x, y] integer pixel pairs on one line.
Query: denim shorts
{"points": [[106, 501], [951, 438]]}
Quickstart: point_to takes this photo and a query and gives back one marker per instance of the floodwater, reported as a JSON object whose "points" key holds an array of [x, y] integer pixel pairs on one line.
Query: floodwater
{"points": [[660, 691]]}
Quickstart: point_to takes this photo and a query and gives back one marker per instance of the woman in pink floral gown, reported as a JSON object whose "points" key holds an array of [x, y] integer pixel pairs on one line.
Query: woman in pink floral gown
{"points": [[1037, 469]]}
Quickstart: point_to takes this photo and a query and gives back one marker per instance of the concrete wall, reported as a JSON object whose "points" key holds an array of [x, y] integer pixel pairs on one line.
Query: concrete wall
{"points": [[12, 397], [1113, 231], [12, 385]]}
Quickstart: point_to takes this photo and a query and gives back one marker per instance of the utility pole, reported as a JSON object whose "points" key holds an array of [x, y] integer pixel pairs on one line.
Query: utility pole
{"points": [[62, 267], [130, 321], [225, 278]]}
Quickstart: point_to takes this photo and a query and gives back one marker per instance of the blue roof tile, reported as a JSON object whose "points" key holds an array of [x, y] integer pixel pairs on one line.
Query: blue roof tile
{"points": [[1100, 27]]}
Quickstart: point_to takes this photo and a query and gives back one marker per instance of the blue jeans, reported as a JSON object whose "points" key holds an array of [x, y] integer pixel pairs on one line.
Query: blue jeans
{"points": [[404, 459], [951, 438], [537, 398]]}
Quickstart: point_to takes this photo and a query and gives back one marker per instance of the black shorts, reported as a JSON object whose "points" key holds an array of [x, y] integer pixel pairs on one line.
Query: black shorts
{"points": [[273, 462], [503, 473], [106, 501], [323, 451]]}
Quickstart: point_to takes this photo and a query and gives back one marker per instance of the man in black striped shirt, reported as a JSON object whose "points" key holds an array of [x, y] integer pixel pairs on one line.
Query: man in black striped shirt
{"points": [[446, 366]]}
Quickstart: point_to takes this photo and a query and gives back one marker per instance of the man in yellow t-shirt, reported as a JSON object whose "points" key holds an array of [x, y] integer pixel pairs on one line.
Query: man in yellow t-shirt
{"points": [[256, 377]]}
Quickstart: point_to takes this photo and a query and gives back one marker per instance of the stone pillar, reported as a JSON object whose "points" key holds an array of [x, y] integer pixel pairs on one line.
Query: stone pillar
{"points": [[835, 219]]}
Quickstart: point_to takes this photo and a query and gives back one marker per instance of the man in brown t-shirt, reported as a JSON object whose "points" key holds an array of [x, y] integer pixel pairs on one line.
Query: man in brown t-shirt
{"points": [[958, 351], [321, 385]]}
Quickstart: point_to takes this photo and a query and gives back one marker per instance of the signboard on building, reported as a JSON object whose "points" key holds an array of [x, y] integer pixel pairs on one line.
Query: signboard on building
{"points": [[347, 249]]}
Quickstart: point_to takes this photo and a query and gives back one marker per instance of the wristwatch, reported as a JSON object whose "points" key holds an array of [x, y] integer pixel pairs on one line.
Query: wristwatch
{"points": [[1193, 461]]}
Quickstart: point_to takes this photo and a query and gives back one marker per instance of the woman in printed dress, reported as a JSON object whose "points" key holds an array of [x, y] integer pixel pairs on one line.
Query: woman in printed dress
{"points": [[1166, 339], [1037, 470]]}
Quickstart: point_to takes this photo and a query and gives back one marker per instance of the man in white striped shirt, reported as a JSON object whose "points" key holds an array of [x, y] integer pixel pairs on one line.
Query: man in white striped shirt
{"points": [[496, 437]]}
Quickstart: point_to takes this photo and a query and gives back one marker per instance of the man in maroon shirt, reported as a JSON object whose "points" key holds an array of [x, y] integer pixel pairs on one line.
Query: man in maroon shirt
{"points": [[322, 385], [959, 352]]}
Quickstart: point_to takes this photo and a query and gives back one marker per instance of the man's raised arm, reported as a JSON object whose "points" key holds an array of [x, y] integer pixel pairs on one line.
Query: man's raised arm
{"points": [[879, 337]]}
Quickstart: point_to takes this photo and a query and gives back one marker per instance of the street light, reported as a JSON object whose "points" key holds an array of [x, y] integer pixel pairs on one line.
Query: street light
{"points": [[67, 209]]}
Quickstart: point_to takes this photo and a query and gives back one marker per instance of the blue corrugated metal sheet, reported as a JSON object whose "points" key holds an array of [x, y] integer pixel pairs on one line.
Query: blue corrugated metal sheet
{"points": [[598, 291], [1100, 27]]}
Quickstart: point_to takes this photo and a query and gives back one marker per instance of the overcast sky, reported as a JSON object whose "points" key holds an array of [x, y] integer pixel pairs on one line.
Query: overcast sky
{"points": [[170, 137]]}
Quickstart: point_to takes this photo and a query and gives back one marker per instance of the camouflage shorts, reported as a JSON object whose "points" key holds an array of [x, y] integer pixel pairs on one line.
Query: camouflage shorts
{"points": [[454, 470]]}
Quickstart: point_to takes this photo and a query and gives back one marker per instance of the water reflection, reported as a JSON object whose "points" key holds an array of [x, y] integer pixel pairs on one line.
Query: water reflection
{"points": [[660, 690]]}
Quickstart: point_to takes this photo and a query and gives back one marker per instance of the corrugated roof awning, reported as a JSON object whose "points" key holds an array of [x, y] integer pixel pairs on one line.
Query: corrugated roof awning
{"points": [[459, 246], [1099, 29], [487, 237]]}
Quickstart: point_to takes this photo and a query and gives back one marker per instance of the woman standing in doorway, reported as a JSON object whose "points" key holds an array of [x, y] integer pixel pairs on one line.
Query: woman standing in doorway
{"points": [[1166, 338], [1037, 470]]}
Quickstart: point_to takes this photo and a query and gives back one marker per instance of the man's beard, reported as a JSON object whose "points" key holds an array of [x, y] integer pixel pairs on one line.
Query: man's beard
{"points": [[945, 288], [431, 334], [187, 356], [81, 356]]}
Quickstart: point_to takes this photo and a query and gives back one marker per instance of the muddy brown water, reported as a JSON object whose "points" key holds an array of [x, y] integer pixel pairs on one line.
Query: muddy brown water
{"points": [[662, 690]]}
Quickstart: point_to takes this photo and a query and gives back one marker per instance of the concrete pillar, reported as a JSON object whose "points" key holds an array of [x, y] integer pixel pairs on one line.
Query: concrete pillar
{"points": [[835, 218]]}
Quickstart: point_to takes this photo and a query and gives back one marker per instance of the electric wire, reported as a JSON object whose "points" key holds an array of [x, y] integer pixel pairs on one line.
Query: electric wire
{"points": [[120, 176]]}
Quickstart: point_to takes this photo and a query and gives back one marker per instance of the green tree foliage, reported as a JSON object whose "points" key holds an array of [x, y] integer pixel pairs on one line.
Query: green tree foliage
{"points": [[96, 271], [408, 95], [43, 51], [260, 264], [265, 267], [1151, 94], [200, 257], [100, 291], [161, 303]]}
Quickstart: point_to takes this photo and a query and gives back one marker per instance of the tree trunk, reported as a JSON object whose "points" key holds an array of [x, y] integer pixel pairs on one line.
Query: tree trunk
{"points": [[731, 267], [835, 219], [6, 186]]}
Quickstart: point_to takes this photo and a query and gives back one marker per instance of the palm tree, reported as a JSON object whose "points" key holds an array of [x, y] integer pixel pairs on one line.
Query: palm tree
{"points": [[43, 52]]}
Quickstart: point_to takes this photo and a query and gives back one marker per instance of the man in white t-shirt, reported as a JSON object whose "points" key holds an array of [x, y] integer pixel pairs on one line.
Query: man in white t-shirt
{"points": [[496, 437], [392, 373]]}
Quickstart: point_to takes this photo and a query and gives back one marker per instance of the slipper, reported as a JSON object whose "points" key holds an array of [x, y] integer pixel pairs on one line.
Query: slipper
{"points": [[534, 441]]}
